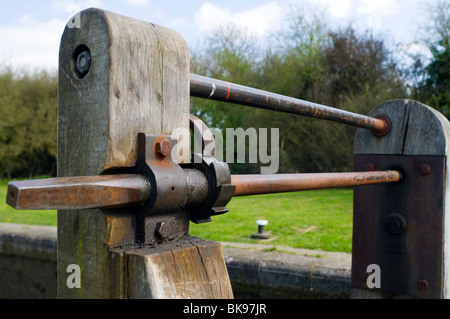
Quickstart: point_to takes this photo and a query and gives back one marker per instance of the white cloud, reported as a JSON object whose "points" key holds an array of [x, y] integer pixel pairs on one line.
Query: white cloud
{"points": [[29, 40], [257, 20], [35, 44], [71, 7], [210, 17], [341, 9], [137, 3], [260, 19], [179, 24], [371, 13], [379, 7], [31, 43], [368, 13]]}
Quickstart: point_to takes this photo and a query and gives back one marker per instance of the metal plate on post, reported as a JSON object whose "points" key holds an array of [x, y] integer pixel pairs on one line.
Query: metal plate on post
{"points": [[164, 217], [399, 226]]}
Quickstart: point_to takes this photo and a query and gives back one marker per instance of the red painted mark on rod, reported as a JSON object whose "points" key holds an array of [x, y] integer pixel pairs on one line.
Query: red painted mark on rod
{"points": [[229, 91]]}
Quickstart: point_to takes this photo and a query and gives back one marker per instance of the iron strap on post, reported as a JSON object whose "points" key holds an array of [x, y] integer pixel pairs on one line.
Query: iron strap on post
{"points": [[205, 87]]}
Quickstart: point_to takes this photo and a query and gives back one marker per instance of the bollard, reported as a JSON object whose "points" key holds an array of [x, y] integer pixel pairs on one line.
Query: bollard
{"points": [[261, 234]]}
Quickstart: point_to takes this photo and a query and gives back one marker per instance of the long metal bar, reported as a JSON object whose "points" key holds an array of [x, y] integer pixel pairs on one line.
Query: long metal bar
{"points": [[278, 183], [84, 192], [108, 191], [205, 87], [89, 192]]}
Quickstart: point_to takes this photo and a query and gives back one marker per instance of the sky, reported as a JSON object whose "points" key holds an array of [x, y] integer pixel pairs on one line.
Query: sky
{"points": [[30, 30]]}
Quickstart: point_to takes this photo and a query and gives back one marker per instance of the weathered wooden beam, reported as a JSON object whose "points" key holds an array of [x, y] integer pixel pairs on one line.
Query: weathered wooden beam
{"points": [[117, 77], [168, 272]]}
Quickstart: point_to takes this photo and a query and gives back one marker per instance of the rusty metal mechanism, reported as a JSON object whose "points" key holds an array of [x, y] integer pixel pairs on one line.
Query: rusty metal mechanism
{"points": [[205, 187], [219, 189], [218, 90], [164, 195]]}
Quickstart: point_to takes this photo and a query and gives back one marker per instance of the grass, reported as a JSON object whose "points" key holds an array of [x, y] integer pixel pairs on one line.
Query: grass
{"points": [[319, 219], [29, 217]]}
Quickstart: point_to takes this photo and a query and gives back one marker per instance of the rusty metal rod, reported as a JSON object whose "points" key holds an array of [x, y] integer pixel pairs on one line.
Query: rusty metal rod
{"points": [[110, 191], [279, 183], [85, 192], [89, 192], [205, 87]]}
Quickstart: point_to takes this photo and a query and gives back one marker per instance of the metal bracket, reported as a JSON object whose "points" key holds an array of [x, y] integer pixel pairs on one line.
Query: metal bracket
{"points": [[220, 190], [399, 226], [164, 216]]}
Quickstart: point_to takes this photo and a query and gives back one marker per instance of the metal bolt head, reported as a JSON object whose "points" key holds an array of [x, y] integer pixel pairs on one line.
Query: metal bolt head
{"points": [[395, 223], [164, 147], [425, 170], [387, 126], [83, 63], [369, 167], [423, 284], [162, 230]]}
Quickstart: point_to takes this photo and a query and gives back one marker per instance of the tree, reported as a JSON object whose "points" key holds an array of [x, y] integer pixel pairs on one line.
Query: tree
{"points": [[433, 84], [27, 124], [307, 60], [357, 62], [338, 68], [229, 54]]}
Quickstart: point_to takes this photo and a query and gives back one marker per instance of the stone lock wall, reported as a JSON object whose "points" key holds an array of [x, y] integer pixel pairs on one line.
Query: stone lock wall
{"points": [[28, 268]]}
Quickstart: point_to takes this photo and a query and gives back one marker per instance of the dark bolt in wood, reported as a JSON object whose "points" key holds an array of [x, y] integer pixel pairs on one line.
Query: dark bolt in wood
{"points": [[423, 284], [425, 170]]}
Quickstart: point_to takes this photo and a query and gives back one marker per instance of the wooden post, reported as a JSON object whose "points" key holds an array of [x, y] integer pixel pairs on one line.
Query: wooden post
{"points": [[118, 77], [403, 227]]}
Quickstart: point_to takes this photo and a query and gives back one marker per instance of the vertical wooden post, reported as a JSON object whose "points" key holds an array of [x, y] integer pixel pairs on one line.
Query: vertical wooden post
{"points": [[404, 227], [118, 77]]}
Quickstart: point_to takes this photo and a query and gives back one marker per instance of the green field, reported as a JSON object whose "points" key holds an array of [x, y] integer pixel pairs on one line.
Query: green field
{"points": [[319, 219], [314, 219], [35, 217]]}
